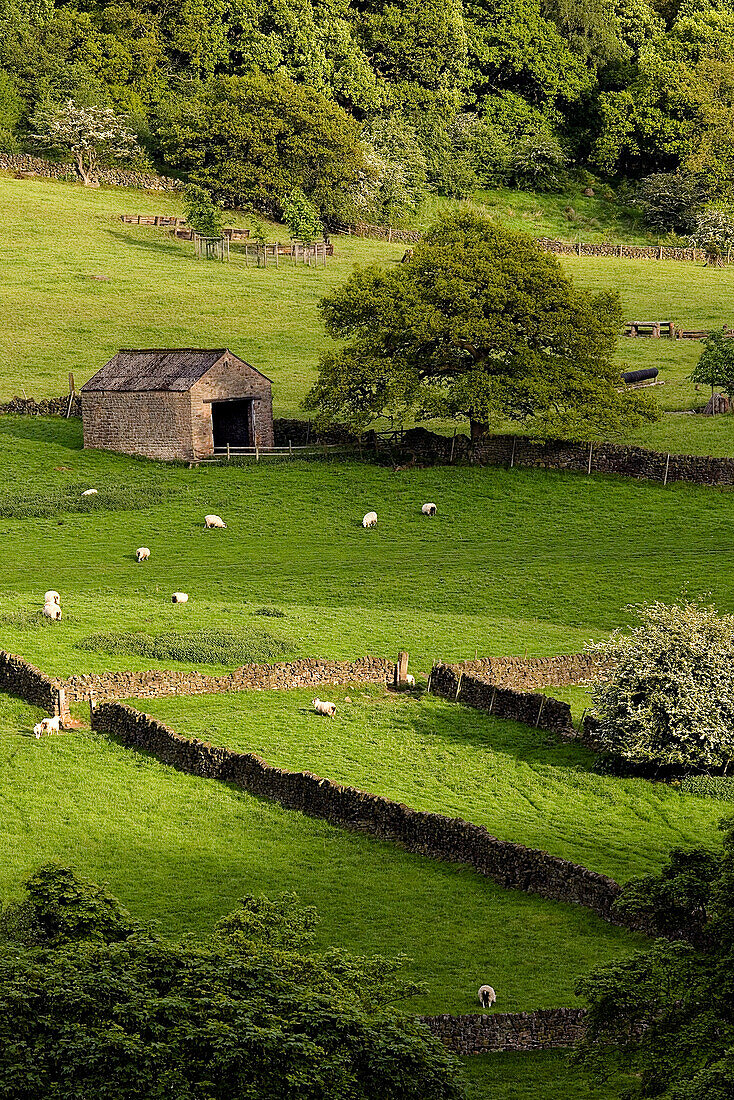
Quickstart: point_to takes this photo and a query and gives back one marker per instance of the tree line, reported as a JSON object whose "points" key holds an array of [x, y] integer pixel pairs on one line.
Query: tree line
{"points": [[366, 106]]}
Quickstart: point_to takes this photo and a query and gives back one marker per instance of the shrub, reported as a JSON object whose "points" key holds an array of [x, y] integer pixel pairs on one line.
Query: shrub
{"points": [[669, 201], [212, 647], [720, 787], [666, 696], [538, 162]]}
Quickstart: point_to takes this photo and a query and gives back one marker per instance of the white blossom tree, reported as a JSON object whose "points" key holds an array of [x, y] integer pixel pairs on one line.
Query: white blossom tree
{"points": [[666, 692], [713, 233], [91, 134]]}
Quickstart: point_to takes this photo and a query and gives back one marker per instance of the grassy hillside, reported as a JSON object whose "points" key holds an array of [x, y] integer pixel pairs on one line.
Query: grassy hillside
{"points": [[182, 851], [76, 284], [542, 1075], [515, 560], [523, 784]]}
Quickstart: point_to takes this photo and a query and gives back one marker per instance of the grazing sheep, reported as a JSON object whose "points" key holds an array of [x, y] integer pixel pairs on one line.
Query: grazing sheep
{"points": [[214, 521], [322, 707], [52, 597], [47, 725], [89, 493], [370, 520], [52, 611], [180, 597], [487, 996], [429, 509], [142, 553], [410, 680]]}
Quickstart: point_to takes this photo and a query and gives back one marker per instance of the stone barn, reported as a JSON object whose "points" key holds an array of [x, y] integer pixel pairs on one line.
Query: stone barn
{"points": [[183, 403]]}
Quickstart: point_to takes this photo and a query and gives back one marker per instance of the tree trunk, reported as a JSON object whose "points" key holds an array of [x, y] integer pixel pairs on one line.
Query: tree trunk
{"points": [[477, 429]]}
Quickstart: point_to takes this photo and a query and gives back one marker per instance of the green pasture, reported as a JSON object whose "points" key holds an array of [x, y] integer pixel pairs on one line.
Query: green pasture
{"points": [[540, 1075], [182, 851], [515, 560], [523, 784], [76, 284]]}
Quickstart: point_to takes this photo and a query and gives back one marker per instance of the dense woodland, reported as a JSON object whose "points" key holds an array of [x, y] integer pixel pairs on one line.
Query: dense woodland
{"points": [[368, 105]]}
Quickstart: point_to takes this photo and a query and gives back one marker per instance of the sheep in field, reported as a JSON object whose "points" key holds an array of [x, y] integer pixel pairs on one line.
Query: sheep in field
{"points": [[325, 708], [47, 725], [429, 509], [52, 597], [52, 611], [142, 553], [214, 521], [89, 493], [180, 597], [487, 996], [410, 680], [370, 520]]}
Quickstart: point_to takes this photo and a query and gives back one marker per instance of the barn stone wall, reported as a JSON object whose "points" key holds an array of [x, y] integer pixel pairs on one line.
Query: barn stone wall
{"points": [[230, 379], [155, 684], [485, 1033], [156, 424]]}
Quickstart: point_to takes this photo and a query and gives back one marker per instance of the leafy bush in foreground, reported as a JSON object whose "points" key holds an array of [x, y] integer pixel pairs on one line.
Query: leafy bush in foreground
{"points": [[94, 1004]]}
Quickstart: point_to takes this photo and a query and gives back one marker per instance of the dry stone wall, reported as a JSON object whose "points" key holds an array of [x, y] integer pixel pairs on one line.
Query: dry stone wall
{"points": [[533, 672], [541, 711], [511, 865], [18, 677], [25, 164], [423, 447], [154, 684], [485, 1033], [51, 406]]}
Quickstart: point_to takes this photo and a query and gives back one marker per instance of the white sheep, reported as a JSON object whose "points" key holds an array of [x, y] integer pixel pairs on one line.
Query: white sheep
{"points": [[410, 680], [487, 996], [370, 520], [180, 597], [429, 509], [52, 611], [142, 553], [325, 708], [89, 493], [214, 521], [52, 597], [47, 725]]}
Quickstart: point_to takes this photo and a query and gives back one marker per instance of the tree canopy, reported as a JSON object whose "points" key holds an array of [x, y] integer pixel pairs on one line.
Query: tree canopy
{"points": [[666, 1014], [88, 995], [481, 324]]}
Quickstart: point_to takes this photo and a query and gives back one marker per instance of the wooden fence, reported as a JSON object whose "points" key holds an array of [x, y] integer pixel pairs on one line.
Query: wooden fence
{"points": [[166, 220], [310, 450]]}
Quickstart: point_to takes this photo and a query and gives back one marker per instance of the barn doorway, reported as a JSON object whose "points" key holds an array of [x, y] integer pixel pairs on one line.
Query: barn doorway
{"points": [[232, 423]]}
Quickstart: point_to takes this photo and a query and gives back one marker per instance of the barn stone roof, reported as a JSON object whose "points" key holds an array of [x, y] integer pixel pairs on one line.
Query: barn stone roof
{"points": [[174, 369]]}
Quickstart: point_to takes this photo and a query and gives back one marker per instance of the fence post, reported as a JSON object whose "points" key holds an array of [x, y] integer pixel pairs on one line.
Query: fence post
{"points": [[458, 685], [591, 452], [540, 710], [453, 443], [228, 451], [257, 452], [667, 464]]}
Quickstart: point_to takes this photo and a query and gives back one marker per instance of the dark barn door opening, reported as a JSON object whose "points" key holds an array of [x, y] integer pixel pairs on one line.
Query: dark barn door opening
{"points": [[232, 423]]}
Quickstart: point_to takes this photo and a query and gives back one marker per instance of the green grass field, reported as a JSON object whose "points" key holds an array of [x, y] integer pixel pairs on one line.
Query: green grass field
{"points": [[58, 238], [542, 1075], [523, 784], [182, 851], [516, 560]]}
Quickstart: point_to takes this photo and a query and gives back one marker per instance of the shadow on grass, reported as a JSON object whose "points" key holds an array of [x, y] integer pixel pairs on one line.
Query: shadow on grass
{"points": [[42, 429], [167, 247]]}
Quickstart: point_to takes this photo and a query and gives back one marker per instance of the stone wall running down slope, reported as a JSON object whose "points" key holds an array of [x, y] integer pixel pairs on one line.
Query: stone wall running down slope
{"points": [[513, 866], [485, 1033]]}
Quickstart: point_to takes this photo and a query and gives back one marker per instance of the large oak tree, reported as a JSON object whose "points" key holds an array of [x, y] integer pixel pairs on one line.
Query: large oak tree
{"points": [[481, 324]]}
